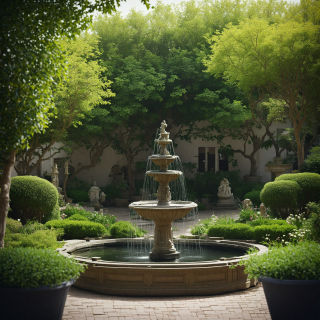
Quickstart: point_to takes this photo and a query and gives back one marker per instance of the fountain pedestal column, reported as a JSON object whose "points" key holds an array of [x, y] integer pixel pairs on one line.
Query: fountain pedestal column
{"points": [[163, 247]]}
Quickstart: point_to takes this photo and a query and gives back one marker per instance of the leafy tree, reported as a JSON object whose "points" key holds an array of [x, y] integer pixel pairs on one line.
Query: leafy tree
{"points": [[279, 59], [76, 95], [31, 57]]}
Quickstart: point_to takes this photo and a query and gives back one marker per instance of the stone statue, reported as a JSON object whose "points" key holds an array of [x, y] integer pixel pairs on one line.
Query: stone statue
{"points": [[224, 189], [163, 127], [66, 167], [225, 196], [54, 176], [164, 194], [102, 197], [94, 194]]}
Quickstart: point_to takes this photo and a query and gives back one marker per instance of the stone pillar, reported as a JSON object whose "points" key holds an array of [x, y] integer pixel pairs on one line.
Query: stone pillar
{"points": [[262, 209], [163, 247]]}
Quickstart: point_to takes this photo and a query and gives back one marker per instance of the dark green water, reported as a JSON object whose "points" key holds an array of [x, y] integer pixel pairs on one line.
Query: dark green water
{"points": [[140, 253]]}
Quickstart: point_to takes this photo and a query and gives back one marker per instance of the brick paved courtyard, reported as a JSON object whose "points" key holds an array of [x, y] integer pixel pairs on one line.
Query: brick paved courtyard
{"points": [[249, 304]]}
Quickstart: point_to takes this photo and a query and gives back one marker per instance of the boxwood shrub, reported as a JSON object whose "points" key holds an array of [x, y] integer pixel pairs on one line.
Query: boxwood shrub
{"points": [[125, 229], [273, 231], [77, 217], [74, 229], [281, 197], [246, 232], [261, 221], [31, 268], [310, 186], [254, 196], [32, 198], [232, 231], [13, 225]]}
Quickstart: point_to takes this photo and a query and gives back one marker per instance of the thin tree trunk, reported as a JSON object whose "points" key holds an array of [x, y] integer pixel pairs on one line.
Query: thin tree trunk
{"points": [[5, 182], [253, 165], [130, 173], [300, 149]]}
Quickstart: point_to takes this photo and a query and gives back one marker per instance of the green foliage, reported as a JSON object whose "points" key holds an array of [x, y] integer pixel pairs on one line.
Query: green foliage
{"points": [[32, 198], [77, 217], [113, 191], [261, 221], [201, 207], [77, 229], [78, 195], [78, 184], [246, 232], [247, 214], [281, 197], [71, 210], [233, 231], [272, 232], [292, 262], [39, 239], [312, 163], [13, 226], [125, 229], [32, 226], [32, 268], [254, 196], [309, 187], [55, 215], [314, 225]]}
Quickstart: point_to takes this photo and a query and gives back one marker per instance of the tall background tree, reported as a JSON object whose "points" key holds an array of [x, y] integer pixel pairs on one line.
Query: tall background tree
{"points": [[31, 57]]}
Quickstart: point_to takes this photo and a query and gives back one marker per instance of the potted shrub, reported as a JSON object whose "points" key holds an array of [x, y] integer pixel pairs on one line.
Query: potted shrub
{"points": [[34, 283], [291, 279]]}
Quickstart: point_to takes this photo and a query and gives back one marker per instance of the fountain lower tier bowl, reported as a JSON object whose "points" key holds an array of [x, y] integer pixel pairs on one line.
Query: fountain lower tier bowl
{"points": [[200, 277], [169, 212]]}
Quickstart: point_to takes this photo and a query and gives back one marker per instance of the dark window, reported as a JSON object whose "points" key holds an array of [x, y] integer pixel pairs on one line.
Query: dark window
{"points": [[223, 162], [201, 159], [211, 159]]}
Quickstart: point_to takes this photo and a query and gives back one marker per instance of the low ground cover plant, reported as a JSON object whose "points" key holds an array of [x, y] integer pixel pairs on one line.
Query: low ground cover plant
{"points": [[74, 229], [125, 229], [33, 234], [299, 261], [32, 268]]}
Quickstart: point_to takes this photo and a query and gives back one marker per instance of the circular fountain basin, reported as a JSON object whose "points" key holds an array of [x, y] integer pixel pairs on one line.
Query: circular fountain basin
{"points": [[177, 278]]}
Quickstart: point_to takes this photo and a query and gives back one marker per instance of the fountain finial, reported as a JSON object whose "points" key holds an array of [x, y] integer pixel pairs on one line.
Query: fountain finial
{"points": [[163, 127]]}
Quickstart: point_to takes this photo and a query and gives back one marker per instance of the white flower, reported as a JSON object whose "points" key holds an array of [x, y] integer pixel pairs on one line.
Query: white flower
{"points": [[19, 220]]}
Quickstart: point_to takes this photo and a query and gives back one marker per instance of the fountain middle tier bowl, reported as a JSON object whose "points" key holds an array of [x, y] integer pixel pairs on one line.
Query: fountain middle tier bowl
{"points": [[161, 160], [166, 176], [174, 210]]}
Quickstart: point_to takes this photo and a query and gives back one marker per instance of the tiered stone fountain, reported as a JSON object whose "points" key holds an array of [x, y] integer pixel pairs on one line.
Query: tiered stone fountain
{"points": [[164, 211], [162, 274]]}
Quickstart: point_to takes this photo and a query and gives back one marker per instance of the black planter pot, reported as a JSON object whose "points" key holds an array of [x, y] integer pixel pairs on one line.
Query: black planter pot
{"points": [[35, 303], [292, 299]]}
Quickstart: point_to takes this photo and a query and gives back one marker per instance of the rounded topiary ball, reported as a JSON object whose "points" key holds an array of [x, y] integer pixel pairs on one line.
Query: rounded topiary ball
{"points": [[281, 197], [254, 196], [310, 186], [32, 198]]}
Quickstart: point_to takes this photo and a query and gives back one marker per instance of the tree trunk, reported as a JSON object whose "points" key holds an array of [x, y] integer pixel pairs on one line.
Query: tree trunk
{"points": [[5, 182], [300, 149], [253, 165], [130, 172]]}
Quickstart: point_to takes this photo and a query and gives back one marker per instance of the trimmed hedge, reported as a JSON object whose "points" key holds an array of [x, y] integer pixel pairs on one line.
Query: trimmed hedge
{"points": [[77, 217], [254, 196], [32, 198], [125, 229], [281, 197], [310, 187], [312, 163], [233, 231], [74, 229], [246, 232], [261, 222]]}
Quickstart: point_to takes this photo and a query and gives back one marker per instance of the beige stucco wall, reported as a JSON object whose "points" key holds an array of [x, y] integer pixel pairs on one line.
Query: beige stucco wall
{"points": [[188, 152]]}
